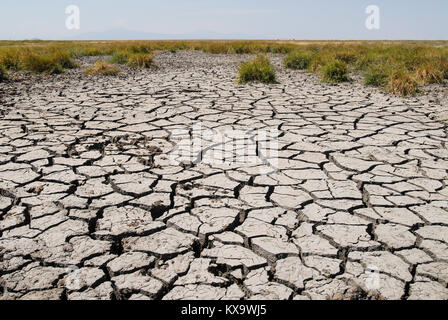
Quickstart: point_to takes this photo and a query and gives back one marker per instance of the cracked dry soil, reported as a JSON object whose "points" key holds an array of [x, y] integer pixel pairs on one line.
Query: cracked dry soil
{"points": [[92, 208]]}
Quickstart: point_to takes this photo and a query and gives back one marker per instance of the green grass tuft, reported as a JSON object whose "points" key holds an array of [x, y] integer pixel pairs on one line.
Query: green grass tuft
{"points": [[3, 73], [335, 72], [64, 60], [41, 64], [120, 57], [376, 76], [142, 48], [347, 57], [259, 69], [298, 60]]}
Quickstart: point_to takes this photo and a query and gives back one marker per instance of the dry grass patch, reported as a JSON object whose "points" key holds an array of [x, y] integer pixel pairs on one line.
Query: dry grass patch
{"points": [[141, 60], [429, 74], [402, 84], [102, 68]]}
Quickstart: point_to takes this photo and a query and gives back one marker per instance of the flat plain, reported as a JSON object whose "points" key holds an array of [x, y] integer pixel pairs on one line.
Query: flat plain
{"points": [[96, 201]]}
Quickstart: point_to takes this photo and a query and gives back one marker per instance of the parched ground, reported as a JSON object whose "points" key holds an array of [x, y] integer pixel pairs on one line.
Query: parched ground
{"points": [[96, 204]]}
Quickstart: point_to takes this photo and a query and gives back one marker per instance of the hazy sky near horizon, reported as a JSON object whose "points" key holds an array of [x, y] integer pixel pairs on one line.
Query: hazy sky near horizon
{"points": [[282, 19]]}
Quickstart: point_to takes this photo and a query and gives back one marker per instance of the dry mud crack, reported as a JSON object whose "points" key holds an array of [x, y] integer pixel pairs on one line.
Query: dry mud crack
{"points": [[92, 205]]}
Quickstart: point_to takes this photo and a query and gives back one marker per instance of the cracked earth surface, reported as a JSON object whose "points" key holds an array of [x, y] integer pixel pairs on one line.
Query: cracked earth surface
{"points": [[91, 207]]}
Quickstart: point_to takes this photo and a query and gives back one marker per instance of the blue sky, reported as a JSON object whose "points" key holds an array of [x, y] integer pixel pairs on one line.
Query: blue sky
{"points": [[282, 19]]}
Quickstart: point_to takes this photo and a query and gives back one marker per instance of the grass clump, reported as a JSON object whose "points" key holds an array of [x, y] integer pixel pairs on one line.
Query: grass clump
{"points": [[102, 68], [335, 71], [10, 60], [142, 48], [429, 74], [402, 84], [347, 57], [3, 73], [141, 60], [64, 60], [298, 60], [52, 63], [376, 76], [90, 51], [41, 64], [242, 48], [259, 69], [119, 58], [318, 62]]}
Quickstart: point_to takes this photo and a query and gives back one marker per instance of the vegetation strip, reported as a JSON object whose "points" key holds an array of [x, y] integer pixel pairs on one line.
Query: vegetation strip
{"points": [[399, 67]]}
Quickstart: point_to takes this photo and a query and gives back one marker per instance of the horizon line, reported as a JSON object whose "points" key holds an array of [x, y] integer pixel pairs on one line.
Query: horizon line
{"points": [[229, 39]]}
